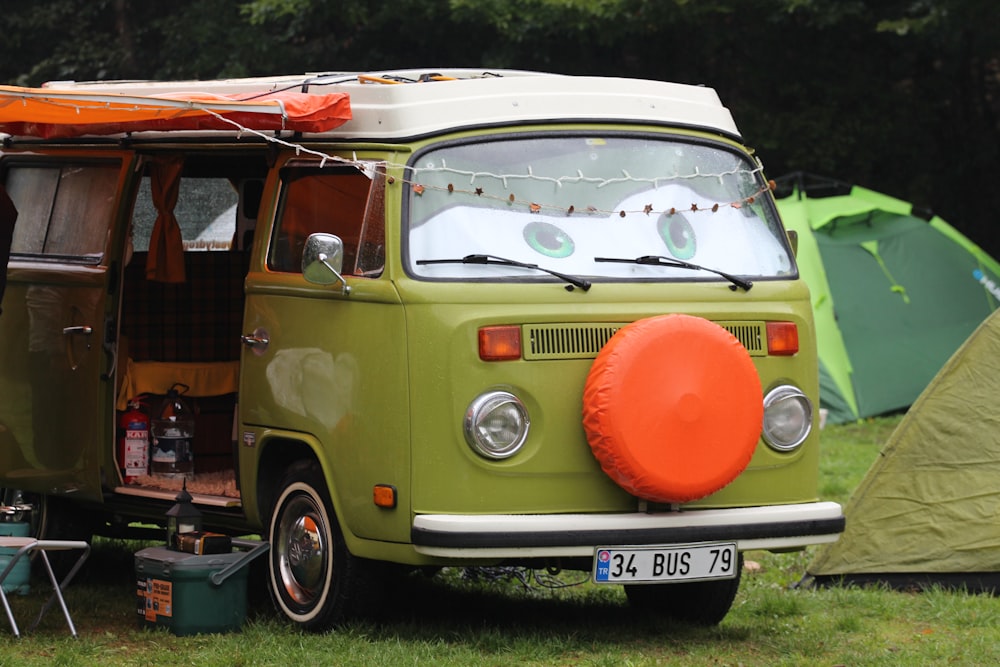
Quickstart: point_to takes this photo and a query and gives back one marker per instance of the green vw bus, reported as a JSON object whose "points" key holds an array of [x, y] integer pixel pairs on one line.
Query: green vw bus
{"points": [[423, 319]]}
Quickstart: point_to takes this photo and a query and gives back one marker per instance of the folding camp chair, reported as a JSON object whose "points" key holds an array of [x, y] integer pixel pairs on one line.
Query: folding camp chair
{"points": [[27, 545]]}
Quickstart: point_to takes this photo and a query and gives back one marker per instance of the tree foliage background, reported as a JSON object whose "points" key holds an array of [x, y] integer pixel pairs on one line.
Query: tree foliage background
{"points": [[901, 96]]}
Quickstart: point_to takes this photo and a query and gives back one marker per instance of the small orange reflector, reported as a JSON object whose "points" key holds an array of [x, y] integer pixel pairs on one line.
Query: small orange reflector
{"points": [[782, 338], [385, 495], [500, 343]]}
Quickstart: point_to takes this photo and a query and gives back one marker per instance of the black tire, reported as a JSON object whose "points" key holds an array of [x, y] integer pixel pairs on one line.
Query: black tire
{"points": [[314, 580], [703, 603]]}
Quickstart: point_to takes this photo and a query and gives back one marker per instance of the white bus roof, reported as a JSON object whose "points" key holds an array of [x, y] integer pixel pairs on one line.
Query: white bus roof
{"points": [[401, 104]]}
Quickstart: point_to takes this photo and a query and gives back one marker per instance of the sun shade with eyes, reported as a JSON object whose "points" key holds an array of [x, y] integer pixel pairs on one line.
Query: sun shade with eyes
{"points": [[52, 113]]}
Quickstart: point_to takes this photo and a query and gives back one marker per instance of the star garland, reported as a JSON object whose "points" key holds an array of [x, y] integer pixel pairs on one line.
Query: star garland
{"points": [[535, 207], [511, 199]]}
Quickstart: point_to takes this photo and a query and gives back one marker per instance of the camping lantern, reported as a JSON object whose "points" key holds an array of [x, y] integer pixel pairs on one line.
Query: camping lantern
{"points": [[183, 517]]}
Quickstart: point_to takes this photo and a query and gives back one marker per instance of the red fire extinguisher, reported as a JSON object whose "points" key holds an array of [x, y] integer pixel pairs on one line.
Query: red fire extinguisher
{"points": [[133, 445]]}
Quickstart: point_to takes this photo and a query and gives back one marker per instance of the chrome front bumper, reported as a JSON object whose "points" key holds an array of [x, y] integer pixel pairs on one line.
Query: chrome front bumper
{"points": [[775, 527]]}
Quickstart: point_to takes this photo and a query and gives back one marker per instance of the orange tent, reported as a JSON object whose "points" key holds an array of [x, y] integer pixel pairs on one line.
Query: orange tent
{"points": [[51, 113]]}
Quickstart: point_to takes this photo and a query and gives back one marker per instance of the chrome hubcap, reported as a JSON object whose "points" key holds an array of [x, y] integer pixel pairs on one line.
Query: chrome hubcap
{"points": [[302, 550]]}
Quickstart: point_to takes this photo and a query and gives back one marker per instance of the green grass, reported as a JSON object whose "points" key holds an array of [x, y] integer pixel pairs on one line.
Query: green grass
{"points": [[450, 620]]}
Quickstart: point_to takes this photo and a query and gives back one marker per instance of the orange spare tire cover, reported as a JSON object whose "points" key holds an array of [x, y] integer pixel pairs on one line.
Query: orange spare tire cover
{"points": [[672, 408]]}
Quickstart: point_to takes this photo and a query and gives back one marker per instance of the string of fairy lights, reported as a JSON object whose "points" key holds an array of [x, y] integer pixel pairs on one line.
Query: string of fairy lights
{"points": [[419, 188]]}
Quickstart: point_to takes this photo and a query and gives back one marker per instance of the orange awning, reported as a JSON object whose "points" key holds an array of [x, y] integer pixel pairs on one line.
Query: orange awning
{"points": [[50, 113]]}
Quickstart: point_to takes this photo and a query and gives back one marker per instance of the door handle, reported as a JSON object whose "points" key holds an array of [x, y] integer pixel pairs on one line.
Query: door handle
{"points": [[81, 330], [253, 341], [256, 341]]}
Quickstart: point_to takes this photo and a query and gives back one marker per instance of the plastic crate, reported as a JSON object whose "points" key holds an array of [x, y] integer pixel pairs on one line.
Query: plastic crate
{"points": [[194, 594]]}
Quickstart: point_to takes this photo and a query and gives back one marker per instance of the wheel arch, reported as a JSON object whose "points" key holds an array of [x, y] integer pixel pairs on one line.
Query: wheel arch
{"points": [[278, 453]]}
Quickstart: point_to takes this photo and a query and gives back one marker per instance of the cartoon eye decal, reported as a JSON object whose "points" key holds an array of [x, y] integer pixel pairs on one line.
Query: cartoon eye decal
{"points": [[549, 240], [678, 234]]}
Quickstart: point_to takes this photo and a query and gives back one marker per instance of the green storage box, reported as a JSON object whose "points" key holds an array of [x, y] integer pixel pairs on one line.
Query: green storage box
{"points": [[193, 594], [19, 579]]}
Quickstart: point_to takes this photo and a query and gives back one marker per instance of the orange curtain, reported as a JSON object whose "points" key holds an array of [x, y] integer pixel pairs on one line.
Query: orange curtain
{"points": [[165, 263]]}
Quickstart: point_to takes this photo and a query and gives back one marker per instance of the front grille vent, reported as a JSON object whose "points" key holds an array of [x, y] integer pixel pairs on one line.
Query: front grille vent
{"points": [[584, 341], [752, 334], [566, 341]]}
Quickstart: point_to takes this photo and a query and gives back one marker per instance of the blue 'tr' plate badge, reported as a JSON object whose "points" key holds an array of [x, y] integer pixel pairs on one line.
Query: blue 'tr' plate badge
{"points": [[603, 565]]}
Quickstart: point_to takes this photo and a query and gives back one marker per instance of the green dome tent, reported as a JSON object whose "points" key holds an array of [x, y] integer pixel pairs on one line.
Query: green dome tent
{"points": [[894, 294], [928, 510]]}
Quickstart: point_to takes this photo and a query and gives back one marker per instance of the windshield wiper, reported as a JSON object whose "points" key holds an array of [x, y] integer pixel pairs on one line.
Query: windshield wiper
{"points": [[493, 259], [658, 260]]}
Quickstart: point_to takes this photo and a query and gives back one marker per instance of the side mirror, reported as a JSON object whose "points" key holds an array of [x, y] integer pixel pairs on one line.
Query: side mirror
{"points": [[323, 260]]}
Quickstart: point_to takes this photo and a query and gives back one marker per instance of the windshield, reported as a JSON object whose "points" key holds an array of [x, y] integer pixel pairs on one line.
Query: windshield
{"points": [[562, 202]]}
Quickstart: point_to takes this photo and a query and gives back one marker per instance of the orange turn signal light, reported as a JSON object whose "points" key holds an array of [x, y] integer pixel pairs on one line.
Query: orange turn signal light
{"points": [[782, 338], [384, 495], [500, 343]]}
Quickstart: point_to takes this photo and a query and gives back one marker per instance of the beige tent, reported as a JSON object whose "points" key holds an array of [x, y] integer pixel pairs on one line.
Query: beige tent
{"points": [[928, 510]]}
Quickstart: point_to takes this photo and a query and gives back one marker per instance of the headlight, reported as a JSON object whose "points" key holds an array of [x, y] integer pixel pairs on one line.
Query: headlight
{"points": [[496, 424], [787, 418]]}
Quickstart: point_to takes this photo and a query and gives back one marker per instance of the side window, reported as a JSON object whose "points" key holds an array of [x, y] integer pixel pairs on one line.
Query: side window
{"points": [[205, 212], [345, 202], [64, 210], [371, 249]]}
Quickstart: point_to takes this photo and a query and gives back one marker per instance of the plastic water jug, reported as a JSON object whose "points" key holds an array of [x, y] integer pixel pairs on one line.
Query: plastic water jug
{"points": [[173, 437]]}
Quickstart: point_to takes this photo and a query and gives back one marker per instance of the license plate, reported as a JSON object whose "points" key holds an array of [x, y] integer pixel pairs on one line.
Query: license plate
{"points": [[676, 562]]}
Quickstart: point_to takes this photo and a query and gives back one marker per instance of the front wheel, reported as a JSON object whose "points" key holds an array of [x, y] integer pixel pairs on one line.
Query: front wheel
{"points": [[702, 603], [314, 580]]}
